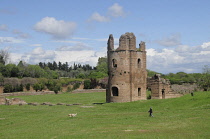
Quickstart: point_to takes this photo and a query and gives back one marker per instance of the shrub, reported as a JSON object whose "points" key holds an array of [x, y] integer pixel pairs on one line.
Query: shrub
{"points": [[57, 88], [76, 85], [8, 88], [87, 84], [69, 89], [20, 88], [28, 86], [149, 94], [36, 86]]}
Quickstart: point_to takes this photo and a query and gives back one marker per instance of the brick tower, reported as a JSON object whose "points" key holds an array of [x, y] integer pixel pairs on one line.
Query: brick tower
{"points": [[127, 70]]}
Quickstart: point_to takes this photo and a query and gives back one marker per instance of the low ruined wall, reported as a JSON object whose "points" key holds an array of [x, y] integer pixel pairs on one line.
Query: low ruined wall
{"points": [[27, 93], [185, 88], [173, 95], [88, 90]]}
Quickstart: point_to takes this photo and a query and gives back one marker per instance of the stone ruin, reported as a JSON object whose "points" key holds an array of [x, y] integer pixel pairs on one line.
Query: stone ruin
{"points": [[127, 70], [128, 75], [13, 101], [160, 88]]}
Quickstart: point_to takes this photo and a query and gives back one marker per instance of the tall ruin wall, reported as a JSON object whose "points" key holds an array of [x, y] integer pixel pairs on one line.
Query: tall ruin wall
{"points": [[127, 70]]}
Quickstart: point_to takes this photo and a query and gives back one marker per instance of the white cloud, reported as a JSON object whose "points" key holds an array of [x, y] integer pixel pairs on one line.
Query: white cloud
{"points": [[37, 45], [116, 10], [172, 40], [10, 40], [99, 18], [183, 58], [38, 55], [3, 27], [206, 45], [59, 29], [70, 56], [77, 47], [113, 11]]}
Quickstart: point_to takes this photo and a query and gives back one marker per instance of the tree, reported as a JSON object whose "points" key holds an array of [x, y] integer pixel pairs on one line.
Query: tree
{"points": [[1, 79], [101, 69], [9, 70], [22, 66], [55, 66], [204, 81], [4, 56]]}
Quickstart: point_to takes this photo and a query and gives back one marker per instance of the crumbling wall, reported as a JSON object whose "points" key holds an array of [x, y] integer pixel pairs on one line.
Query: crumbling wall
{"points": [[127, 70], [13, 101], [161, 88]]}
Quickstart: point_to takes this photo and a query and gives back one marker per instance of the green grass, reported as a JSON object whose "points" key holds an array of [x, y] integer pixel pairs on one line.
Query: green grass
{"points": [[184, 117]]}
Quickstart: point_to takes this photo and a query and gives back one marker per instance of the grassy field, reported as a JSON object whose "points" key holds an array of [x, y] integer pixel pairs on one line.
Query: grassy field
{"points": [[184, 117]]}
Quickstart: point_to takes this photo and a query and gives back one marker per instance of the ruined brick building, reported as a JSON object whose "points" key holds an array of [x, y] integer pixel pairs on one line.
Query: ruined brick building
{"points": [[161, 88], [127, 70], [128, 75]]}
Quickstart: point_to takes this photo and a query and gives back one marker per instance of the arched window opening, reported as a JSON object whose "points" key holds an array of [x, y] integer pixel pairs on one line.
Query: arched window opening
{"points": [[114, 91], [114, 63], [139, 63], [139, 91]]}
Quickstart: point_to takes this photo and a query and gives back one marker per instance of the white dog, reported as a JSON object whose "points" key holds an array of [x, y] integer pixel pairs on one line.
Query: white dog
{"points": [[72, 115]]}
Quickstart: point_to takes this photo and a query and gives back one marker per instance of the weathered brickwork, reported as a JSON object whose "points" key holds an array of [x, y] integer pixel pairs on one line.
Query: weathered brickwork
{"points": [[161, 88], [127, 70]]}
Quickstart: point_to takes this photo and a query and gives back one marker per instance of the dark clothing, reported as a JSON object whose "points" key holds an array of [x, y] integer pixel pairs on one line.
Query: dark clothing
{"points": [[150, 112]]}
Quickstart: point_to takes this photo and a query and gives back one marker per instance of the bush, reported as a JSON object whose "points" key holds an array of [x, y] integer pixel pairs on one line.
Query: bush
{"points": [[36, 86], [69, 89], [20, 88], [56, 89], [28, 86], [87, 84], [149, 94], [8, 88], [76, 85]]}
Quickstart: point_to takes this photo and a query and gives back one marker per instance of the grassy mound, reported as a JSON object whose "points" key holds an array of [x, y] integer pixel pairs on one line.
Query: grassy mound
{"points": [[184, 117]]}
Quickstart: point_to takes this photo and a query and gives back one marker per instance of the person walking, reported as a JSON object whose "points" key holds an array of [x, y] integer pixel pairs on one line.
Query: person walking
{"points": [[150, 112]]}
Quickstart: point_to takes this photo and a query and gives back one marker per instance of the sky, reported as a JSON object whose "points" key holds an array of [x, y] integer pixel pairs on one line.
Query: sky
{"points": [[176, 32]]}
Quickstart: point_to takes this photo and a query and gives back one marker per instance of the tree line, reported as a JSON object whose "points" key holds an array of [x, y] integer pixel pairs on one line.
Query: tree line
{"points": [[55, 70]]}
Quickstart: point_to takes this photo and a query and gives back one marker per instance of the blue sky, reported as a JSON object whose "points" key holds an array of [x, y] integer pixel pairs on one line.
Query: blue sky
{"points": [[177, 33]]}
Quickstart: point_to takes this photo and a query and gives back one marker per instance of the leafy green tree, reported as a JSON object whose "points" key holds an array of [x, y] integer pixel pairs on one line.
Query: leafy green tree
{"points": [[35, 71], [97, 75], [7, 70], [22, 69], [1, 79], [204, 81], [14, 71], [151, 73], [102, 65]]}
